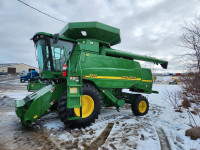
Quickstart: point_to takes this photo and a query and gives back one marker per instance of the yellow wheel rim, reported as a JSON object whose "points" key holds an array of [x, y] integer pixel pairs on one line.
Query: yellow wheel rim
{"points": [[87, 107], [142, 106]]}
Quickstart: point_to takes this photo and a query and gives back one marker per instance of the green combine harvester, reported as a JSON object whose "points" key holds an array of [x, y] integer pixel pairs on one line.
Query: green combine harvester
{"points": [[80, 73]]}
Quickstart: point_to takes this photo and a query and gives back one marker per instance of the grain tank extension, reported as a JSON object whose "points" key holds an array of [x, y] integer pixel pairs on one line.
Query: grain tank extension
{"points": [[80, 73]]}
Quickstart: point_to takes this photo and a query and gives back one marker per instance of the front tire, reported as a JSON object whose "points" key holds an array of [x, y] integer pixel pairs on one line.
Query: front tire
{"points": [[90, 108], [140, 106], [63, 111]]}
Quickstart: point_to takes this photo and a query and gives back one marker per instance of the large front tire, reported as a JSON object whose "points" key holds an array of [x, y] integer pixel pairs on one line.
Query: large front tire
{"points": [[90, 110], [91, 107], [63, 112]]}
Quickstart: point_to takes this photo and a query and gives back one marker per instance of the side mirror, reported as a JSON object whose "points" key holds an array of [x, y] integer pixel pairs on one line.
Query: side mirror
{"points": [[55, 38]]}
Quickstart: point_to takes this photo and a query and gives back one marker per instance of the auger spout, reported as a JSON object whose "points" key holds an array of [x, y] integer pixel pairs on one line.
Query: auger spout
{"points": [[126, 55]]}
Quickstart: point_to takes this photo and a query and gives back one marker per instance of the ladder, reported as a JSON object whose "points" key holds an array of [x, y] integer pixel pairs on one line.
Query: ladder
{"points": [[74, 92]]}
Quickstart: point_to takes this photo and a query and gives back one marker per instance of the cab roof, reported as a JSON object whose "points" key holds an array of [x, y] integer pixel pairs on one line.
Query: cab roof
{"points": [[51, 35]]}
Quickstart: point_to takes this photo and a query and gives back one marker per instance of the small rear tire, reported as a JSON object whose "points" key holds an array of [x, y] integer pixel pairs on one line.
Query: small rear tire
{"points": [[140, 106]]}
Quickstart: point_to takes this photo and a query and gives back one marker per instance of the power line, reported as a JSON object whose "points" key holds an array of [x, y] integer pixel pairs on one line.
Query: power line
{"points": [[41, 11]]}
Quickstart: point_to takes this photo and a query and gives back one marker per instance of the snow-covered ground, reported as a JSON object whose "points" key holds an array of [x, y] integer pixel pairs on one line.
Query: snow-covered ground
{"points": [[162, 128], [14, 82], [142, 133]]}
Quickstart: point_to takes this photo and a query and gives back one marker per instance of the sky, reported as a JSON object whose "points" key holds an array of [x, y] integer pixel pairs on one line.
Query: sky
{"points": [[147, 27]]}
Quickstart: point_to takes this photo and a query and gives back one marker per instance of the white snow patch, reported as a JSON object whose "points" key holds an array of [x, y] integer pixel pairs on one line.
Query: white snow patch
{"points": [[65, 136], [54, 124], [10, 113], [14, 82], [17, 95]]}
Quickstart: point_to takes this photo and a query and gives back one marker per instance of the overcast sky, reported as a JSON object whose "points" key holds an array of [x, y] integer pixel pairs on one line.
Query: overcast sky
{"points": [[148, 27]]}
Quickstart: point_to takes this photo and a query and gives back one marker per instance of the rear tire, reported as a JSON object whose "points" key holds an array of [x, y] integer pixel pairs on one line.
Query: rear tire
{"points": [[140, 106], [65, 113]]}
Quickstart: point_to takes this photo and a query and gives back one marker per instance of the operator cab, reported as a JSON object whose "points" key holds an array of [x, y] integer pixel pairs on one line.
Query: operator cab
{"points": [[52, 52]]}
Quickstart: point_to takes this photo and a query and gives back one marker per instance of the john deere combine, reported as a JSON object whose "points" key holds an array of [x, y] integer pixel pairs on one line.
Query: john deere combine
{"points": [[80, 73]]}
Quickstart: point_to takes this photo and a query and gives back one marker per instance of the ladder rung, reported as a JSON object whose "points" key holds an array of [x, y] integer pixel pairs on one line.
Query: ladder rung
{"points": [[74, 95], [72, 106], [74, 85]]}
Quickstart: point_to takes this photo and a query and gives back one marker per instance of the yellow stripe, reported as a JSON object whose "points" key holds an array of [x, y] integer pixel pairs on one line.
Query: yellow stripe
{"points": [[110, 77], [146, 80], [117, 78]]}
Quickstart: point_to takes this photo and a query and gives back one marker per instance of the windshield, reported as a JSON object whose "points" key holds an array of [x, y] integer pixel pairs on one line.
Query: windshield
{"points": [[51, 57]]}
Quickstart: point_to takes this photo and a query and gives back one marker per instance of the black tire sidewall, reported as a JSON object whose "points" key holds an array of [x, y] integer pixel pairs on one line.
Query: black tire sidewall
{"points": [[83, 122], [65, 113], [135, 104], [92, 93]]}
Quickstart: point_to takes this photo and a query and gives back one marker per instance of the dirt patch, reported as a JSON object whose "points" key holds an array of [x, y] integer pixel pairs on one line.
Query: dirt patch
{"points": [[100, 140], [185, 103], [15, 136], [31, 138], [194, 133]]}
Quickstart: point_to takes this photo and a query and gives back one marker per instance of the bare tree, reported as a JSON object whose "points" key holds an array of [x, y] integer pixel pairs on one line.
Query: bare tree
{"points": [[190, 39], [191, 88]]}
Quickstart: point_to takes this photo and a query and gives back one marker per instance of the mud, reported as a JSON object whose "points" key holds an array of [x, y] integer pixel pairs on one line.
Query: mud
{"points": [[100, 140], [15, 136]]}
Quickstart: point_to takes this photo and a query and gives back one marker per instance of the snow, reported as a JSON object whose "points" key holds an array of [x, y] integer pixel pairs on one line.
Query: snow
{"points": [[14, 82], [17, 95], [162, 115], [163, 78], [131, 132], [128, 131], [8, 113], [54, 125], [173, 123], [64, 136]]}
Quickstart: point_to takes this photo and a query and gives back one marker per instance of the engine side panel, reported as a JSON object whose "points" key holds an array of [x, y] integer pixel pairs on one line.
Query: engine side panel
{"points": [[112, 72]]}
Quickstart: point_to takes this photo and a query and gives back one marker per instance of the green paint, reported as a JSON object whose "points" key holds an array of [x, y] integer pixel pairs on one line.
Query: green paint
{"points": [[85, 48], [116, 101], [35, 85], [94, 30], [117, 53], [38, 103]]}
